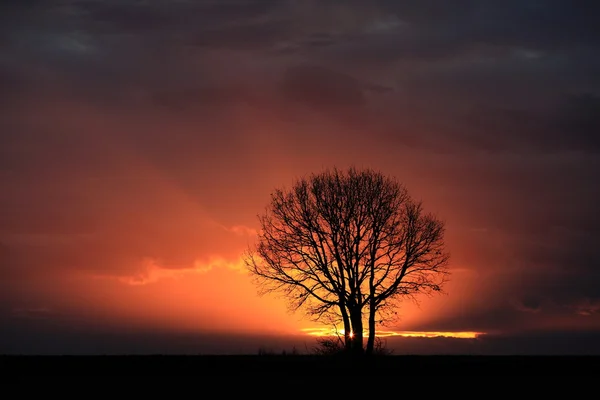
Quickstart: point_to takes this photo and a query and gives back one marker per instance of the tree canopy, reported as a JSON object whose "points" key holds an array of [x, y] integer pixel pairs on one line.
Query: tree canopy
{"points": [[345, 246]]}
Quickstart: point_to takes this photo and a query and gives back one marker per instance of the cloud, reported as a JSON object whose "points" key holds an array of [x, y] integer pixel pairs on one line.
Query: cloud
{"points": [[528, 305], [320, 87], [569, 126], [588, 307], [153, 270], [243, 230]]}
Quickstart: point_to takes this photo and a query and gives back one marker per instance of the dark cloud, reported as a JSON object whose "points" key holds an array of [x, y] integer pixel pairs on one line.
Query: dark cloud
{"points": [[212, 97], [571, 125], [319, 87], [537, 24], [528, 304]]}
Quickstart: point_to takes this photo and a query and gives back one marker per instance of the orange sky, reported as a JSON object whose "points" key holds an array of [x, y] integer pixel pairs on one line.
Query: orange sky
{"points": [[154, 254], [140, 246]]}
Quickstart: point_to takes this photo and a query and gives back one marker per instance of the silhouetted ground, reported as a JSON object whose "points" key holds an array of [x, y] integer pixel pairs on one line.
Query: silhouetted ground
{"points": [[297, 364]]}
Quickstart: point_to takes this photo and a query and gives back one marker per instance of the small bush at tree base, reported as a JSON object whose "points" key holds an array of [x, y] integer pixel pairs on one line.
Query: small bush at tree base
{"points": [[329, 346]]}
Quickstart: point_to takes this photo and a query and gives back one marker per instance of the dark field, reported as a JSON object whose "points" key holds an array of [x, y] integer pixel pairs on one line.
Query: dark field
{"points": [[297, 364]]}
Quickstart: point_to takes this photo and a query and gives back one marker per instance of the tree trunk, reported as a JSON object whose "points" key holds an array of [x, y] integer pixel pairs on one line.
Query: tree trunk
{"points": [[372, 305], [357, 331], [371, 340], [347, 328]]}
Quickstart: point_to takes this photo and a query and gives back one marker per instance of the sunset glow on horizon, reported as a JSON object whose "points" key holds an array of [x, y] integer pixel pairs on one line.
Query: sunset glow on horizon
{"points": [[324, 332]]}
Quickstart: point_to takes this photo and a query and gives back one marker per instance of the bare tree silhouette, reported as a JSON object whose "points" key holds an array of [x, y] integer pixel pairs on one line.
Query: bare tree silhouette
{"points": [[343, 245]]}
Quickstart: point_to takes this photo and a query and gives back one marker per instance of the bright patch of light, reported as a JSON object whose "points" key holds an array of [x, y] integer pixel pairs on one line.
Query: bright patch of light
{"points": [[456, 335]]}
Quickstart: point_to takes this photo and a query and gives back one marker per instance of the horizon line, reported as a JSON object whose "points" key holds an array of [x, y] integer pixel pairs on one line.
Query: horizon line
{"points": [[324, 332]]}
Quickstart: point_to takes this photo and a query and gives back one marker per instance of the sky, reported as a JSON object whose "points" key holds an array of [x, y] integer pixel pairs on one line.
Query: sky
{"points": [[139, 140]]}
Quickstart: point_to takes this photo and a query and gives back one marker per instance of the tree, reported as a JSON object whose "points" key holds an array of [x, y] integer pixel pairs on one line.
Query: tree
{"points": [[343, 245]]}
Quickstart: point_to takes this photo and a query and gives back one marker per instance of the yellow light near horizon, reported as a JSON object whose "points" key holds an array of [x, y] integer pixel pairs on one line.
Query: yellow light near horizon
{"points": [[456, 335]]}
